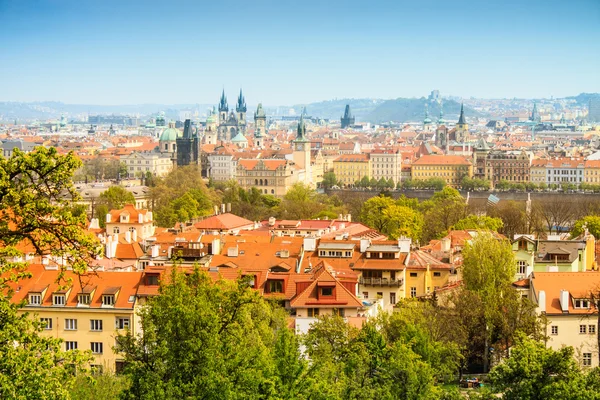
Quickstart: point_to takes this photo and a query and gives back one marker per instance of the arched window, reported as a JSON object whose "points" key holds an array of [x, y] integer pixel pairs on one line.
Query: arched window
{"points": [[174, 147], [272, 191], [261, 182], [266, 182], [256, 182], [167, 146]]}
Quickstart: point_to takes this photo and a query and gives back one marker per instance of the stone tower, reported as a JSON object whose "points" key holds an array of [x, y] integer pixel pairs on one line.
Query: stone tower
{"points": [[302, 151], [188, 146], [347, 119], [260, 126], [462, 128], [223, 108]]}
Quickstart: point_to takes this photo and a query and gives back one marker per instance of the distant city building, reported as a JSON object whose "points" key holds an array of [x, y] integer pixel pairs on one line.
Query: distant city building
{"points": [[230, 124], [114, 119], [10, 145], [348, 119], [535, 115], [434, 95]]}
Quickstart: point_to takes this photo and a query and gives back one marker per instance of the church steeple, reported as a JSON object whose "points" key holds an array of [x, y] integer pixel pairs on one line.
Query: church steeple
{"points": [[426, 120], [348, 119], [241, 103], [535, 115], [461, 119], [301, 134], [223, 107], [441, 120]]}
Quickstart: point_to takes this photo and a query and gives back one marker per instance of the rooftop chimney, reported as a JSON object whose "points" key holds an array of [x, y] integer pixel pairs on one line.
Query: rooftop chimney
{"points": [[542, 301]]}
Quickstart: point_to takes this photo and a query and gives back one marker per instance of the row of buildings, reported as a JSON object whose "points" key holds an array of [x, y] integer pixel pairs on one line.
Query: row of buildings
{"points": [[311, 267]]}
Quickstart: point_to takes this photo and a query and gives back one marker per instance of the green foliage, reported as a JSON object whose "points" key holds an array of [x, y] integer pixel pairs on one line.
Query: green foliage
{"points": [[36, 194], [329, 180], [591, 223], [477, 222], [538, 373], [383, 214], [99, 387], [207, 338], [113, 198], [441, 212], [475, 184], [181, 196]]}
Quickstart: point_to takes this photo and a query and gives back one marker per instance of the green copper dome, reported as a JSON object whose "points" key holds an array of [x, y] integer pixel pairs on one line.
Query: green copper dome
{"points": [[212, 118], [170, 134]]}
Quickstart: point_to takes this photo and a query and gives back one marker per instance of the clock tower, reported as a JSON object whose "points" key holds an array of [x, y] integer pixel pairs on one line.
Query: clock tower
{"points": [[302, 152]]}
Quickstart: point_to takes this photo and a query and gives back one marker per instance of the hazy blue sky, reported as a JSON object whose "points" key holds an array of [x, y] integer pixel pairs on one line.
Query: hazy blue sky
{"points": [[287, 52]]}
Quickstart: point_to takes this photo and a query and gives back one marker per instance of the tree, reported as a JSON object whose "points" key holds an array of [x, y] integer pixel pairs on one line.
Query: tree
{"points": [[200, 337], [591, 223], [329, 180], [479, 222], [36, 199], [113, 198], [535, 372], [489, 268], [300, 202], [444, 209]]}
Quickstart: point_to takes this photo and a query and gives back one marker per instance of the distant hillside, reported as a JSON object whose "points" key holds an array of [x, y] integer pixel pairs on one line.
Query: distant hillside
{"points": [[380, 111], [584, 98], [405, 110], [334, 109]]}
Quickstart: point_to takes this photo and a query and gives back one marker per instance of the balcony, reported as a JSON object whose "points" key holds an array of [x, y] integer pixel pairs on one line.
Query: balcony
{"points": [[380, 282]]}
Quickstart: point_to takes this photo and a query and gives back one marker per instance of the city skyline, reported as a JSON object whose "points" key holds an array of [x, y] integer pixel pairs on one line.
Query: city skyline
{"points": [[185, 53]]}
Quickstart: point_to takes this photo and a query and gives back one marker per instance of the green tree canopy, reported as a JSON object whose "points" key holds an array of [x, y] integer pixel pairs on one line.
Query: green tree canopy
{"points": [[591, 223], [478, 222], [113, 198]]}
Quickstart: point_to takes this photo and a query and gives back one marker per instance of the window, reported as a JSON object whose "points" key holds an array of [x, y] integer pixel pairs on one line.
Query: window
{"points": [[83, 299], [116, 228], [96, 347], [96, 369], [339, 312], [122, 323], [592, 329], [582, 328], [70, 346], [413, 274], [365, 295], [275, 286], [522, 267], [119, 366], [587, 359], [108, 300], [152, 280], [96, 325], [522, 245], [326, 291], [46, 322], [70, 324], [437, 274], [58, 300], [392, 298], [35, 299], [413, 291], [582, 303], [313, 312]]}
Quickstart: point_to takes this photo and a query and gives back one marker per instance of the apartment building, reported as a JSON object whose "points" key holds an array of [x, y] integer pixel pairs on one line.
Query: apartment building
{"points": [[350, 168], [139, 164], [451, 169], [86, 312], [270, 176], [386, 164], [557, 171]]}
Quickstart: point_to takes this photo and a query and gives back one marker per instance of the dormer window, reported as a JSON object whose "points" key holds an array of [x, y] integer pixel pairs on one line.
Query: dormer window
{"points": [[108, 300], [327, 291], [116, 230], [58, 299], [124, 218], [522, 244], [35, 299], [582, 303], [275, 286], [152, 279], [83, 299]]}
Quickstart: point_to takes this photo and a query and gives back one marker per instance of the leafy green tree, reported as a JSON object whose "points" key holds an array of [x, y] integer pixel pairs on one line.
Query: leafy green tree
{"points": [[329, 180], [443, 210], [205, 338], [489, 269], [478, 222], [103, 386], [364, 182], [503, 185], [36, 206], [535, 372], [591, 223], [300, 202], [383, 214]]}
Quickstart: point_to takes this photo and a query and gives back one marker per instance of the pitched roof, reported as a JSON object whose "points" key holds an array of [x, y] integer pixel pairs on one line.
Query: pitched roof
{"points": [[104, 282], [578, 284], [128, 208], [310, 296], [441, 160], [225, 221]]}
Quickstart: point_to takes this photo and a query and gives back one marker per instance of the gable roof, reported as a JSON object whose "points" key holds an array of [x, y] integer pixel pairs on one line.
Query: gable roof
{"points": [[225, 221]]}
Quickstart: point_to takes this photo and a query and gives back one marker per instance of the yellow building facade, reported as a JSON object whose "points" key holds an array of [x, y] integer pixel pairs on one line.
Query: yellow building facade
{"points": [[350, 168], [452, 169], [87, 315]]}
